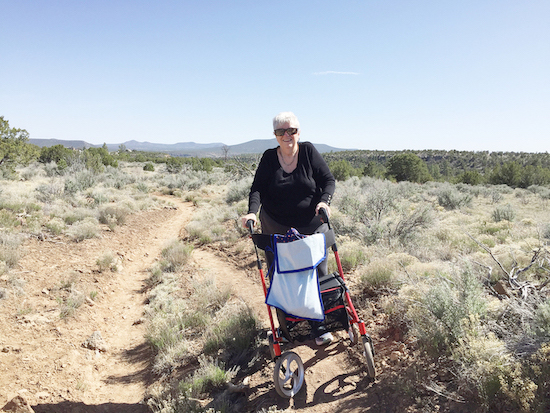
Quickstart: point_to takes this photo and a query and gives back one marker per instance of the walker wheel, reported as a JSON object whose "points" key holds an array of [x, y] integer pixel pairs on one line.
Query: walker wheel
{"points": [[289, 374], [353, 334], [271, 341], [368, 352]]}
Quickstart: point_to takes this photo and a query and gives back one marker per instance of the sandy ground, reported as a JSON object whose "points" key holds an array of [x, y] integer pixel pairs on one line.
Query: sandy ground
{"points": [[42, 356]]}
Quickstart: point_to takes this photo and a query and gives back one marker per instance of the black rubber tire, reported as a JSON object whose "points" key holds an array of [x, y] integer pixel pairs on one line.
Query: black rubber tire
{"points": [[369, 356], [271, 341]]}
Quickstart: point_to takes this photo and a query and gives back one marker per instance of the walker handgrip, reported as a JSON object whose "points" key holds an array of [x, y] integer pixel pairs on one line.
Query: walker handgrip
{"points": [[250, 225], [324, 215]]}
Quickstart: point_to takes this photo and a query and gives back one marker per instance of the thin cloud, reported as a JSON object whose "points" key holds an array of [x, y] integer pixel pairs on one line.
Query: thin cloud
{"points": [[331, 72]]}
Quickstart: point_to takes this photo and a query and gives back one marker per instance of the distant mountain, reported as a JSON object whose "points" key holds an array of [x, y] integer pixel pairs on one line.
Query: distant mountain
{"points": [[68, 144], [181, 148]]}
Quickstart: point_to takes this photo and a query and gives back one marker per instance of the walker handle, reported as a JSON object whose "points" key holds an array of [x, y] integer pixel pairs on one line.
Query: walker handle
{"points": [[250, 225], [324, 215]]}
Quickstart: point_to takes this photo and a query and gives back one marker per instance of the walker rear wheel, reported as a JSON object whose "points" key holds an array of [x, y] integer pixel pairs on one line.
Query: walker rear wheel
{"points": [[369, 357], [271, 342], [289, 374]]}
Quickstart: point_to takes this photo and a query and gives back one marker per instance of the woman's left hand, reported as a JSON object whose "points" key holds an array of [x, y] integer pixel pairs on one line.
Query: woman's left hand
{"points": [[324, 206]]}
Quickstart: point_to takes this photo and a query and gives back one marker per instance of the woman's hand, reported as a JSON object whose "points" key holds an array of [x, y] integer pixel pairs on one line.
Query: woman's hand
{"points": [[247, 218], [324, 206]]}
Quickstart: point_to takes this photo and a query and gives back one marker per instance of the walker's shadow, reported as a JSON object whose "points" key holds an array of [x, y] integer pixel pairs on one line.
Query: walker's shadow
{"points": [[343, 386]]}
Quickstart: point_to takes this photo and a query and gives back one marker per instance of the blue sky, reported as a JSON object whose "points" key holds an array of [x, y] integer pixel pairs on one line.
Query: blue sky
{"points": [[365, 74]]}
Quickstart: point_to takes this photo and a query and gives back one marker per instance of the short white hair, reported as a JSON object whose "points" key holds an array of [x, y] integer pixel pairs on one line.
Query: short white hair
{"points": [[285, 117]]}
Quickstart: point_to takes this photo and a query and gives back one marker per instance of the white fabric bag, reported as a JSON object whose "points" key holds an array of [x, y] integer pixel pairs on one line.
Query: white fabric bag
{"points": [[294, 286]]}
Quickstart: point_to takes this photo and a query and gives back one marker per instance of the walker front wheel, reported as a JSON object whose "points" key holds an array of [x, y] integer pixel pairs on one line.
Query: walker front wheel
{"points": [[289, 374]]}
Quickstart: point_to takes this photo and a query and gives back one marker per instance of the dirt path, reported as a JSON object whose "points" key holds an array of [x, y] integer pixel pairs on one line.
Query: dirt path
{"points": [[42, 357]]}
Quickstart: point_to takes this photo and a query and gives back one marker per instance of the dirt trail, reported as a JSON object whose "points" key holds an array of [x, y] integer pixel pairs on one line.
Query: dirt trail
{"points": [[42, 357]]}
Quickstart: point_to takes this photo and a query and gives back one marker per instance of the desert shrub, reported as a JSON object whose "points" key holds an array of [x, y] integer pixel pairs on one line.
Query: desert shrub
{"points": [[234, 331], [55, 225], [106, 262], [10, 251], [176, 255], [209, 224], [447, 302], [378, 275], [408, 225], [142, 187], [209, 297], [351, 255], [149, 167], [166, 335], [80, 181], [539, 365], [366, 200], [238, 190], [8, 219], [86, 229], [73, 215], [542, 319], [71, 304], [487, 372], [450, 198], [51, 191], [112, 215], [209, 376], [504, 213]]}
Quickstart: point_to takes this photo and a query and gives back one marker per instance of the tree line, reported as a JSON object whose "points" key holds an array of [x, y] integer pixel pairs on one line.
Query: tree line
{"points": [[515, 169]]}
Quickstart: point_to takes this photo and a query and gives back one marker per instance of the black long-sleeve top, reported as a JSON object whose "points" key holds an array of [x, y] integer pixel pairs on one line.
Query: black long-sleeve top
{"points": [[290, 198]]}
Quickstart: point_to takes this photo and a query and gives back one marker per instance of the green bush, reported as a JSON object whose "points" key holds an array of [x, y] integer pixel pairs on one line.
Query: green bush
{"points": [[235, 333], [505, 213], [407, 167], [176, 255], [450, 198]]}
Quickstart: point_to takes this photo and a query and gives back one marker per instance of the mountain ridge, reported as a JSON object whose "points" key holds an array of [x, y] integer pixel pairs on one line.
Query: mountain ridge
{"points": [[181, 148]]}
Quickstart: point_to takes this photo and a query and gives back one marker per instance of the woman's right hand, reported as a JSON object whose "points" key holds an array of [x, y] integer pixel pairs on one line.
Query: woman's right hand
{"points": [[247, 218]]}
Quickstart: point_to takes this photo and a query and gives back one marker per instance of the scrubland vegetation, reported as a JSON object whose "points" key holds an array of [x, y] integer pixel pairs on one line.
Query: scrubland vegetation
{"points": [[460, 269]]}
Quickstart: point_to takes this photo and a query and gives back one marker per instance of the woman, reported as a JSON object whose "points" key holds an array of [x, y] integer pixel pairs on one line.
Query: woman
{"points": [[292, 183]]}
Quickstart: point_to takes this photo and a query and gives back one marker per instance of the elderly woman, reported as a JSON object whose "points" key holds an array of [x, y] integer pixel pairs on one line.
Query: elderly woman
{"points": [[292, 183]]}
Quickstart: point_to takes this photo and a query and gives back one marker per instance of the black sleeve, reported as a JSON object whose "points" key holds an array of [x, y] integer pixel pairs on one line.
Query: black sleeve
{"points": [[259, 183], [323, 177]]}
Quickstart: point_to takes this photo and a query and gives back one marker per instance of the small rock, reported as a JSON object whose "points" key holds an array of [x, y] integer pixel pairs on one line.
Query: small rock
{"points": [[42, 395], [18, 405], [95, 342], [395, 356]]}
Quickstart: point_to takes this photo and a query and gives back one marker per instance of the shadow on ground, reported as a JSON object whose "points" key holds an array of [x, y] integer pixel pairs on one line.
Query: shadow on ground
{"points": [[78, 407]]}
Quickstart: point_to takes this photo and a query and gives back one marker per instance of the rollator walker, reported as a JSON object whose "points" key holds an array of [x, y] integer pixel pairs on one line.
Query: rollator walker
{"points": [[320, 300]]}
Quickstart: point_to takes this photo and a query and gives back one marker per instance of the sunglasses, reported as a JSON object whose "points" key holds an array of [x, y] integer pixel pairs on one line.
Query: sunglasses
{"points": [[290, 131]]}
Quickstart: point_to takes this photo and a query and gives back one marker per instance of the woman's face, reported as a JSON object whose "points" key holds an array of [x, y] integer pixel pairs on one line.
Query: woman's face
{"points": [[287, 141]]}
